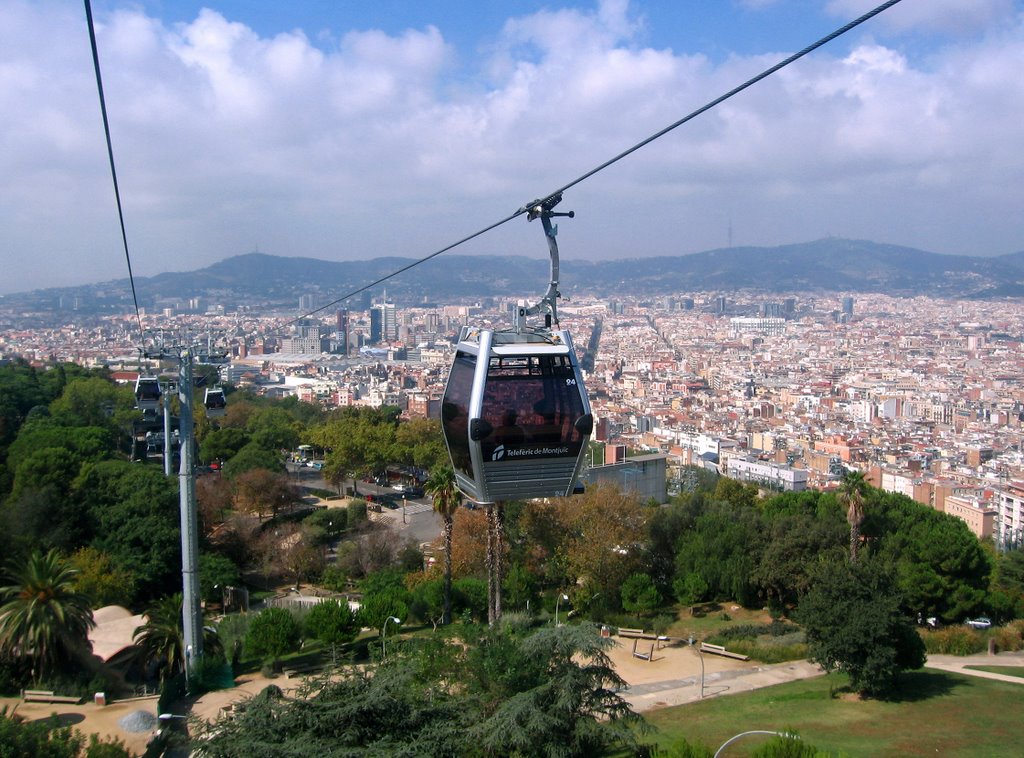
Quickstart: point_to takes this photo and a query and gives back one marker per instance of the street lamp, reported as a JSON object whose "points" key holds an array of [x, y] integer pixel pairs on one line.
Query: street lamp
{"points": [[700, 653], [384, 635], [558, 600]]}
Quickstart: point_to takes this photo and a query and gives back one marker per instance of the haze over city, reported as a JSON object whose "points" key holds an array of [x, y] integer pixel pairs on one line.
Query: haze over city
{"points": [[353, 131]]}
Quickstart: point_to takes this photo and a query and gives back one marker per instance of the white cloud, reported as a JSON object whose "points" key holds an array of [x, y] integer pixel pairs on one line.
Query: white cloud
{"points": [[226, 140], [957, 17]]}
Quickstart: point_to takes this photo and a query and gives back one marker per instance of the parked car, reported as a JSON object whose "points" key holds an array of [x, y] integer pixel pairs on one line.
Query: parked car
{"points": [[413, 492], [982, 622]]}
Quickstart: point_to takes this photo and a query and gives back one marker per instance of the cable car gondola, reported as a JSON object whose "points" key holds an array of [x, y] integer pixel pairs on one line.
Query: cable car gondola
{"points": [[147, 393], [515, 413], [215, 402]]}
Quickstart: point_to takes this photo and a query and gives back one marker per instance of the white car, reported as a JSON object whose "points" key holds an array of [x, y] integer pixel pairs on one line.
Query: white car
{"points": [[982, 622]]}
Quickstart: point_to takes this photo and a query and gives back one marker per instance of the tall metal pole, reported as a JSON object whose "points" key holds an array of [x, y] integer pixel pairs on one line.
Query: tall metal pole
{"points": [[167, 433], [192, 614]]}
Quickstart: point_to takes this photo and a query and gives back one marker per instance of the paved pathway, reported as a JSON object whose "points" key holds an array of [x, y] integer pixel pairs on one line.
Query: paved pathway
{"points": [[957, 664], [652, 695]]}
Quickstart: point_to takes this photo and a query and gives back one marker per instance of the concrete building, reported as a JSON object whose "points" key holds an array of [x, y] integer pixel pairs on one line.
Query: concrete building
{"points": [[772, 475], [646, 476]]}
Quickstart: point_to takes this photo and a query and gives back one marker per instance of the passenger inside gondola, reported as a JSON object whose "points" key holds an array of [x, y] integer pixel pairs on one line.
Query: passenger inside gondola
{"points": [[509, 433]]}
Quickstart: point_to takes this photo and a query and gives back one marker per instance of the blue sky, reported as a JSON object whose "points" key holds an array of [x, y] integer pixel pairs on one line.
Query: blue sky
{"points": [[343, 130]]}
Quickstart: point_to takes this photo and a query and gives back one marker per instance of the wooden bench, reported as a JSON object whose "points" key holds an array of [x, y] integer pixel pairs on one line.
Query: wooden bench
{"points": [[720, 650], [309, 668], [47, 696], [638, 633]]}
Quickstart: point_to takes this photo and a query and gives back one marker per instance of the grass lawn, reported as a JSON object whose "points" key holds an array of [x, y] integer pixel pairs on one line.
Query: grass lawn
{"points": [[937, 713], [1008, 670]]}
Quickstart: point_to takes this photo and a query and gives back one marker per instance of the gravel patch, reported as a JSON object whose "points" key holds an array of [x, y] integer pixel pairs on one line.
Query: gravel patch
{"points": [[139, 721]]}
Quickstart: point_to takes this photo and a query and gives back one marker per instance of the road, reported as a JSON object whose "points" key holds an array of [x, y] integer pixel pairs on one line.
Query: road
{"points": [[420, 522]]}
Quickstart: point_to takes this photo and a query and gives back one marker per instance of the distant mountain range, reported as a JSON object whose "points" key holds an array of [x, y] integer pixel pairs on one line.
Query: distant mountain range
{"points": [[837, 265]]}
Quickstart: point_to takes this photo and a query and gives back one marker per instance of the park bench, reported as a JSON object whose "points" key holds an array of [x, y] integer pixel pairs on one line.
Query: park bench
{"points": [[308, 668], [638, 633], [47, 696], [720, 650]]}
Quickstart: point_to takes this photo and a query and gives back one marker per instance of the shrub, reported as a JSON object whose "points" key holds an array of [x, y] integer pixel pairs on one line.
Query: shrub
{"points": [[777, 628], [954, 640], [790, 746], [1009, 637], [768, 652], [271, 634], [356, 512]]}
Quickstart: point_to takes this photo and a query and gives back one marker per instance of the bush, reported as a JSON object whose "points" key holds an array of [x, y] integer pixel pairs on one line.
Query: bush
{"points": [[209, 674], [776, 628], [789, 746], [768, 652], [357, 512], [1009, 637], [954, 640], [271, 634], [232, 630]]}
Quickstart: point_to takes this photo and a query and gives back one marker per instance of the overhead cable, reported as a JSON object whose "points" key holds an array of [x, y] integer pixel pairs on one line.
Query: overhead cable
{"points": [[110, 154], [703, 109]]}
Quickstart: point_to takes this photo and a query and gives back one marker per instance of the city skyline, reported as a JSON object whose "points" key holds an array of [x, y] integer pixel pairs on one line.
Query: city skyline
{"points": [[353, 133]]}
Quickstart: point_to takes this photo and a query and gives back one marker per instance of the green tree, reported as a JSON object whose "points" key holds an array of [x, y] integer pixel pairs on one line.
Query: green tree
{"points": [[359, 441], [273, 428], [441, 486], [271, 634], [520, 586], [161, 639], [135, 510], [509, 692], [223, 444], [725, 547], [379, 606], [639, 595], [941, 568], [561, 697], [851, 494], [100, 579], [250, 457], [333, 623], [418, 442], [91, 401], [690, 589], [854, 623], [42, 615], [215, 573]]}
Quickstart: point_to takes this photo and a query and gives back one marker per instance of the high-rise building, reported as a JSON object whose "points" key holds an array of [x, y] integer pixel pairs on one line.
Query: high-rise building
{"points": [[388, 320], [376, 324], [848, 305], [342, 324]]}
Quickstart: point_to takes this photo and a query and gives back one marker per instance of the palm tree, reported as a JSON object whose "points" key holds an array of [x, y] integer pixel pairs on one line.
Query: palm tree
{"points": [[442, 487], [162, 638], [42, 615], [851, 493]]}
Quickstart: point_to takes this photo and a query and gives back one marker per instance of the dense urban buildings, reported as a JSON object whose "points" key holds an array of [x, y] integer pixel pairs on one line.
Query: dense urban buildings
{"points": [[925, 396]]}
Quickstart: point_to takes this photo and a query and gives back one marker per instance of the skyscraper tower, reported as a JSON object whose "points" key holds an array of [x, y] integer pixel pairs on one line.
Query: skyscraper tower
{"points": [[848, 305], [342, 325]]}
